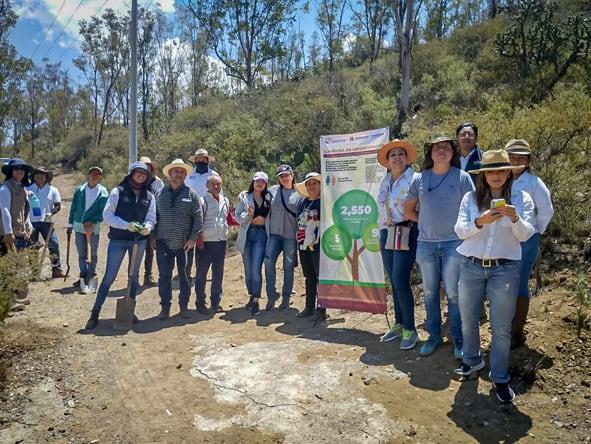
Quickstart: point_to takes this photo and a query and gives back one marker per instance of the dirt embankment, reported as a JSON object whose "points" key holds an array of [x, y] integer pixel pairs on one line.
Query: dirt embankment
{"points": [[229, 378]]}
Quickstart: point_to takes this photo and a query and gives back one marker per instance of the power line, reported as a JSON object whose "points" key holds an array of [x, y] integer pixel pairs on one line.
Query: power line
{"points": [[76, 37], [48, 29], [63, 28]]}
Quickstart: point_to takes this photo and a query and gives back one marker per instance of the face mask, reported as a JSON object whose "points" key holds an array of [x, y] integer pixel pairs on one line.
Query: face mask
{"points": [[201, 167]]}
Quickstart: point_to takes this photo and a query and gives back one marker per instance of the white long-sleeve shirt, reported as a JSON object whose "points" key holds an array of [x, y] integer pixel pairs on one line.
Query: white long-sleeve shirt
{"points": [[198, 182], [215, 214], [499, 240], [116, 222], [5, 204], [540, 194]]}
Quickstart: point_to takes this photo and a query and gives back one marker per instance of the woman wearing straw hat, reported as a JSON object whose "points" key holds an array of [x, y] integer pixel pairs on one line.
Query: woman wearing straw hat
{"points": [[308, 239], [439, 189], [492, 221], [398, 257], [520, 155], [251, 212]]}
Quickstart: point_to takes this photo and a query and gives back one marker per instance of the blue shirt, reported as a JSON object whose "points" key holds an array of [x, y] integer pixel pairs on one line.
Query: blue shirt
{"points": [[438, 208]]}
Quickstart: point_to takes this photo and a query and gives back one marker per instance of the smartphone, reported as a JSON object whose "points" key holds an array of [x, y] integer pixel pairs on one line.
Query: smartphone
{"points": [[496, 203]]}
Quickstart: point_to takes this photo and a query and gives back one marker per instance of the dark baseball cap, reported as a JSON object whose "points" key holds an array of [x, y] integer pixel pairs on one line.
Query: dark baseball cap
{"points": [[282, 169]]}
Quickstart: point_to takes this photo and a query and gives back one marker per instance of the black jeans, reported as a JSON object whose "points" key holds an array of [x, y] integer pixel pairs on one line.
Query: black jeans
{"points": [[194, 253], [310, 260], [166, 258], [148, 260], [212, 256]]}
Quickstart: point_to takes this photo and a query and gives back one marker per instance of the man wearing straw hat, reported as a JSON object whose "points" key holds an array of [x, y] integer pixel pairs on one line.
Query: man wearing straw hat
{"points": [[178, 226], [15, 225], [197, 181], [156, 184], [49, 203]]}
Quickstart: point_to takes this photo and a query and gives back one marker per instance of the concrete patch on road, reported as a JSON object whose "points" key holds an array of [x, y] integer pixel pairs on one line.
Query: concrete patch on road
{"points": [[304, 400]]}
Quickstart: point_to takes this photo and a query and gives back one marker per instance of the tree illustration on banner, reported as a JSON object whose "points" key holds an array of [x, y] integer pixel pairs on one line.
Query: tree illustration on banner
{"points": [[355, 214]]}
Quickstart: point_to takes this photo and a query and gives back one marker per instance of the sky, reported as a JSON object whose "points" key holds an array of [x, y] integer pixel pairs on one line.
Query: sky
{"points": [[49, 28]]}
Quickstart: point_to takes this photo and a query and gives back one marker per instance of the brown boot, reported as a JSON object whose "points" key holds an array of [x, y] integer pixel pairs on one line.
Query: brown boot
{"points": [[56, 273], [518, 336]]}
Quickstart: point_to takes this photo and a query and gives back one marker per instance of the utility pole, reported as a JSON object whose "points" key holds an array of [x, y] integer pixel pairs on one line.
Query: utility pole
{"points": [[133, 92]]}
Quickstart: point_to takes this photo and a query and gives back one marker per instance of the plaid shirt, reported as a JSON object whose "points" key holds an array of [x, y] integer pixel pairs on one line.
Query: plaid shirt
{"points": [[178, 216]]}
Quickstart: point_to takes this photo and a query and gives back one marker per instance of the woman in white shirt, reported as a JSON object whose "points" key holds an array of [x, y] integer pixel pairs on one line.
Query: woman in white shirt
{"points": [[398, 258], [492, 222], [520, 155]]}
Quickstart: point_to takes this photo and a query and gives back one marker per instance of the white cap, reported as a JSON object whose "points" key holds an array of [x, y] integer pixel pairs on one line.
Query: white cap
{"points": [[261, 175]]}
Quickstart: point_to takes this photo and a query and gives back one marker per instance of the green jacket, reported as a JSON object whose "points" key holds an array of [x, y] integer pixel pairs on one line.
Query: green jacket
{"points": [[94, 214]]}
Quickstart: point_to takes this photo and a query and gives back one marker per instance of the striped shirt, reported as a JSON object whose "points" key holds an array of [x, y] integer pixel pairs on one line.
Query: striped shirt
{"points": [[178, 216]]}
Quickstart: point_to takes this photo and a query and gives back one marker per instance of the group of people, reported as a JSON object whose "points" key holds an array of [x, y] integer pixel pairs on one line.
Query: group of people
{"points": [[471, 220]]}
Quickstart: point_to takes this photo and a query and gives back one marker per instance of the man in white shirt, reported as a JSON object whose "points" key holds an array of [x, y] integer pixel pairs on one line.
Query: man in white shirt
{"points": [[197, 181], [49, 203], [215, 208]]}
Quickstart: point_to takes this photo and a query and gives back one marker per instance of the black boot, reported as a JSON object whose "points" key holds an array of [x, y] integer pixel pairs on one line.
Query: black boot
{"points": [[309, 309], [249, 303], [93, 320], [306, 312], [284, 303]]}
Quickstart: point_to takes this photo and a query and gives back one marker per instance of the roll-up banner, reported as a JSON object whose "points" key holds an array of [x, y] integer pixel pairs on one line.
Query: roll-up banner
{"points": [[351, 270]]}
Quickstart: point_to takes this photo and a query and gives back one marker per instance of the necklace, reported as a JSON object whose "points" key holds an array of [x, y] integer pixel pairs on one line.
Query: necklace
{"points": [[440, 182]]}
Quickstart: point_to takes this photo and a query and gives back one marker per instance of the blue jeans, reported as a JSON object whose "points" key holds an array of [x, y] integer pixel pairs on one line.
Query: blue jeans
{"points": [[275, 245], [253, 256], [529, 255], [213, 255], [165, 258], [53, 245], [398, 265], [83, 254], [499, 284], [440, 262], [115, 254]]}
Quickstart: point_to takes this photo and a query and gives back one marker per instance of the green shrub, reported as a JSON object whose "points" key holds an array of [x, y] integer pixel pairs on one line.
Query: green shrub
{"points": [[15, 274]]}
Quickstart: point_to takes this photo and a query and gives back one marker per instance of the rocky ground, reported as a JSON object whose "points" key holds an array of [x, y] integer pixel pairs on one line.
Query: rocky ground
{"points": [[229, 378]]}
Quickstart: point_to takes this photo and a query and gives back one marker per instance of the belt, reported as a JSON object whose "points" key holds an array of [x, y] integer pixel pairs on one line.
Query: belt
{"points": [[487, 263], [256, 227]]}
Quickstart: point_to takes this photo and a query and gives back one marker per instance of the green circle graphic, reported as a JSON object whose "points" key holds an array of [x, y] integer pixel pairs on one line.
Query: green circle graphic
{"points": [[371, 238], [336, 243], [355, 211]]}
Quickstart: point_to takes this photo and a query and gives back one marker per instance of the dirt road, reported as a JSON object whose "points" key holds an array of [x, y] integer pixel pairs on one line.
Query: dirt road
{"points": [[230, 378]]}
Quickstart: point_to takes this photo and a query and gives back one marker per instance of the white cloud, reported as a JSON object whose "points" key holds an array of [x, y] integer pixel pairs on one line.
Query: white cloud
{"points": [[167, 5]]}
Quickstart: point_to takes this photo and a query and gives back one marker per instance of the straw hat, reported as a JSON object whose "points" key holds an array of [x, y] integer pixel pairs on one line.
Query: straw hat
{"points": [[201, 152], [176, 163], [518, 146], [495, 160], [411, 152], [301, 186]]}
